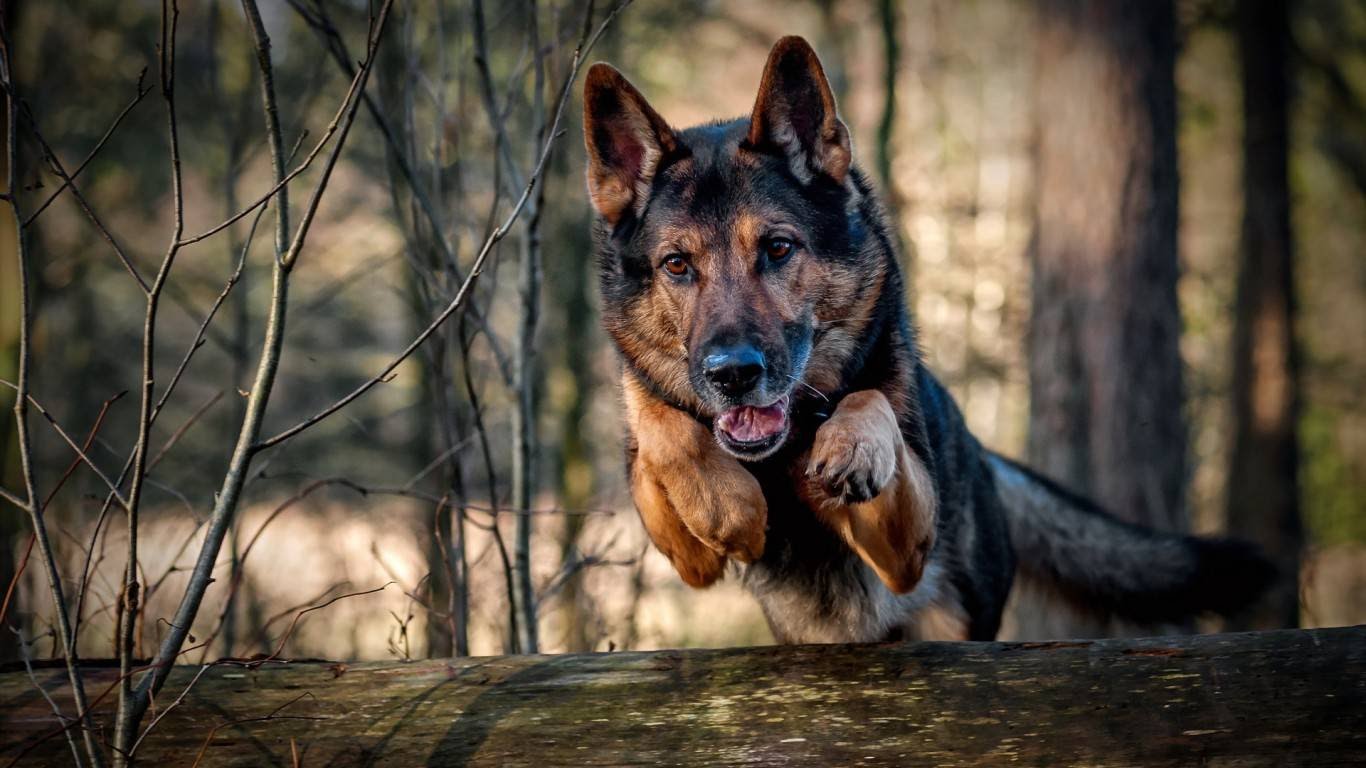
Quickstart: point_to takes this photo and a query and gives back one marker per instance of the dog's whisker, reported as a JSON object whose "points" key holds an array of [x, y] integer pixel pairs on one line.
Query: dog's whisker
{"points": [[817, 392]]}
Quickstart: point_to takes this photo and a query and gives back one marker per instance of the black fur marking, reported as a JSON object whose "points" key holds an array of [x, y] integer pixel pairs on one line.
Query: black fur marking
{"points": [[1105, 564]]}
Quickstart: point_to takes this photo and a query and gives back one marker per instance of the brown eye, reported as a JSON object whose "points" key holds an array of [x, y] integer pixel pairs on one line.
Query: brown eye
{"points": [[778, 248], [676, 265]]}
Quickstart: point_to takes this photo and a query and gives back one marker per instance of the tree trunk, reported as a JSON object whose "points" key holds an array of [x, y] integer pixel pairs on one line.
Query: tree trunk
{"points": [[1105, 367], [1157, 702], [525, 443], [572, 258], [891, 62], [1263, 489], [13, 532]]}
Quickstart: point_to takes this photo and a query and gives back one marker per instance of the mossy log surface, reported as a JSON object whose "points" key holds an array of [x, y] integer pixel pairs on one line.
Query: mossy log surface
{"points": [[1288, 698]]}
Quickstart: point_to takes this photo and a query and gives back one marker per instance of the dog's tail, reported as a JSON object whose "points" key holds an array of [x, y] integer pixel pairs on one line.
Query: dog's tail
{"points": [[1104, 565]]}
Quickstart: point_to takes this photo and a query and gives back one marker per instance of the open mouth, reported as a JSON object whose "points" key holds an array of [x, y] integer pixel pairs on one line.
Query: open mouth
{"points": [[751, 431]]}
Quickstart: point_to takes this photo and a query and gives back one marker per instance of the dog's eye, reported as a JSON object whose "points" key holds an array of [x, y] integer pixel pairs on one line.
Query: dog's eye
{"points": [[778, 248], [676, 265]]}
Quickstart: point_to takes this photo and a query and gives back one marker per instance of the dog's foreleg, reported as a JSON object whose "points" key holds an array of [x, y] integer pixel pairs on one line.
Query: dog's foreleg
{"points": [[697, 564], [697, 502], [867, 485]]}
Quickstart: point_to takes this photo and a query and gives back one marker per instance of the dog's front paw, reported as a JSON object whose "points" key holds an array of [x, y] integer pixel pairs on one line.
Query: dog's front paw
{"points": [[718, 500], [867, 485], [680, 472], [696, 563], [855, 453]]}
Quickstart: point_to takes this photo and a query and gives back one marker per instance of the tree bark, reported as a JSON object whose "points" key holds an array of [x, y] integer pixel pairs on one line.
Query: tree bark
{"points": [[1154, 702], [1105, 367], [1263, 487]]}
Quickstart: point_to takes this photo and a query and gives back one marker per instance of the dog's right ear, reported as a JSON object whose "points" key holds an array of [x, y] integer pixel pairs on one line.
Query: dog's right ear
{"points": [[625, 139], [795, 114]]}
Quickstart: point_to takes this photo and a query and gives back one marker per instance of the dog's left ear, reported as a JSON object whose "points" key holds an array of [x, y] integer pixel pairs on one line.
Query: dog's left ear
{"points": [[795, 114], [626, 141]]}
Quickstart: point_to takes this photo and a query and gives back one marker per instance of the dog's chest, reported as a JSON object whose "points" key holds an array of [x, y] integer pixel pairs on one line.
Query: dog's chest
{"points": [[814, 589]]}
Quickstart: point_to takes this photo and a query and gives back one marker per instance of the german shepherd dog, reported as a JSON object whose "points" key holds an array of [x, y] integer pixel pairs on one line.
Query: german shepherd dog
{"points": [[777, 409]]}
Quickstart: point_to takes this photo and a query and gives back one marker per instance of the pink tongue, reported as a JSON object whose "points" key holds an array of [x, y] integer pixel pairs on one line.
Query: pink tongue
{"points": [[748, 424]]}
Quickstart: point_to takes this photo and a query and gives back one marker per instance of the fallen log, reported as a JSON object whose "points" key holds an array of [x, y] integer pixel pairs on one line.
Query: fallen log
{"points": [[1286, 698]]}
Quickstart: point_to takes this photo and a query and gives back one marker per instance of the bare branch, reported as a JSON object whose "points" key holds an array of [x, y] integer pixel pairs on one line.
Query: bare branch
{"points": [[478, 267], [126, 719], [497, 120], [524, 414], [272, 114], [346, 108], [473, 394], [208, 317], [21, 404], [293, 625], [70, 470], [24, 645], [163, 713], [67, 181], [225, 505], [185, 427], [13, 499], [332, 39], [95, 150], [572, 569], [78, 450]]}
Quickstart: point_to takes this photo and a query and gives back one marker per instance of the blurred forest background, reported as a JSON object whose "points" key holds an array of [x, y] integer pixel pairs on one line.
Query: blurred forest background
{"points": [[491, 459]]}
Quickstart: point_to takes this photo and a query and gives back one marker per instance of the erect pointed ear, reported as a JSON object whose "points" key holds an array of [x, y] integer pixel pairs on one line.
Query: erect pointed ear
{"points": [[795, 114], [626, 140]]}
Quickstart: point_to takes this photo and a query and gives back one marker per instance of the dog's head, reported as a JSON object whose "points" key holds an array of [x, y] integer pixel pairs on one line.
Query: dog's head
{"points": [[737, 267]]}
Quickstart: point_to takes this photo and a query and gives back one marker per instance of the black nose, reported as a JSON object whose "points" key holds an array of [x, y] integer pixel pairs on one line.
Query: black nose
{"points": [[734, 370]]}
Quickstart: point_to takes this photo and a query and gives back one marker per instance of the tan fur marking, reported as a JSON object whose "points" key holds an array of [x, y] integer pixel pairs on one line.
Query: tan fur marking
{"points": [[696, 564], [844, 312], [746, 232], [894, 531], [716, 499], [938, 622], [681, 236]]}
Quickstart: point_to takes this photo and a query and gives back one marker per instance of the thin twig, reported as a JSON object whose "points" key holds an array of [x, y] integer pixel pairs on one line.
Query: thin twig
{"points": [[338, 120], [24, 645], [125, 723], [99, 145], [472, 393], [320, 21], [163, 713], [438, 461], [274, 715], [21, 404], [524, 414], [198, 341], [571, 570], [478, 267], [14, 499], [293, 625], [497, 119], [67, 181], [70, 470], [194, 346], [32, 745], [261, 41], [237, 577], [182, 429], [80, 453]]}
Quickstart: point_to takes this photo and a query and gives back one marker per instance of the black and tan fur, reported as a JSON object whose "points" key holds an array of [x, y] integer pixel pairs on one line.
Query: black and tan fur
{"points": [[874, 513]]}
